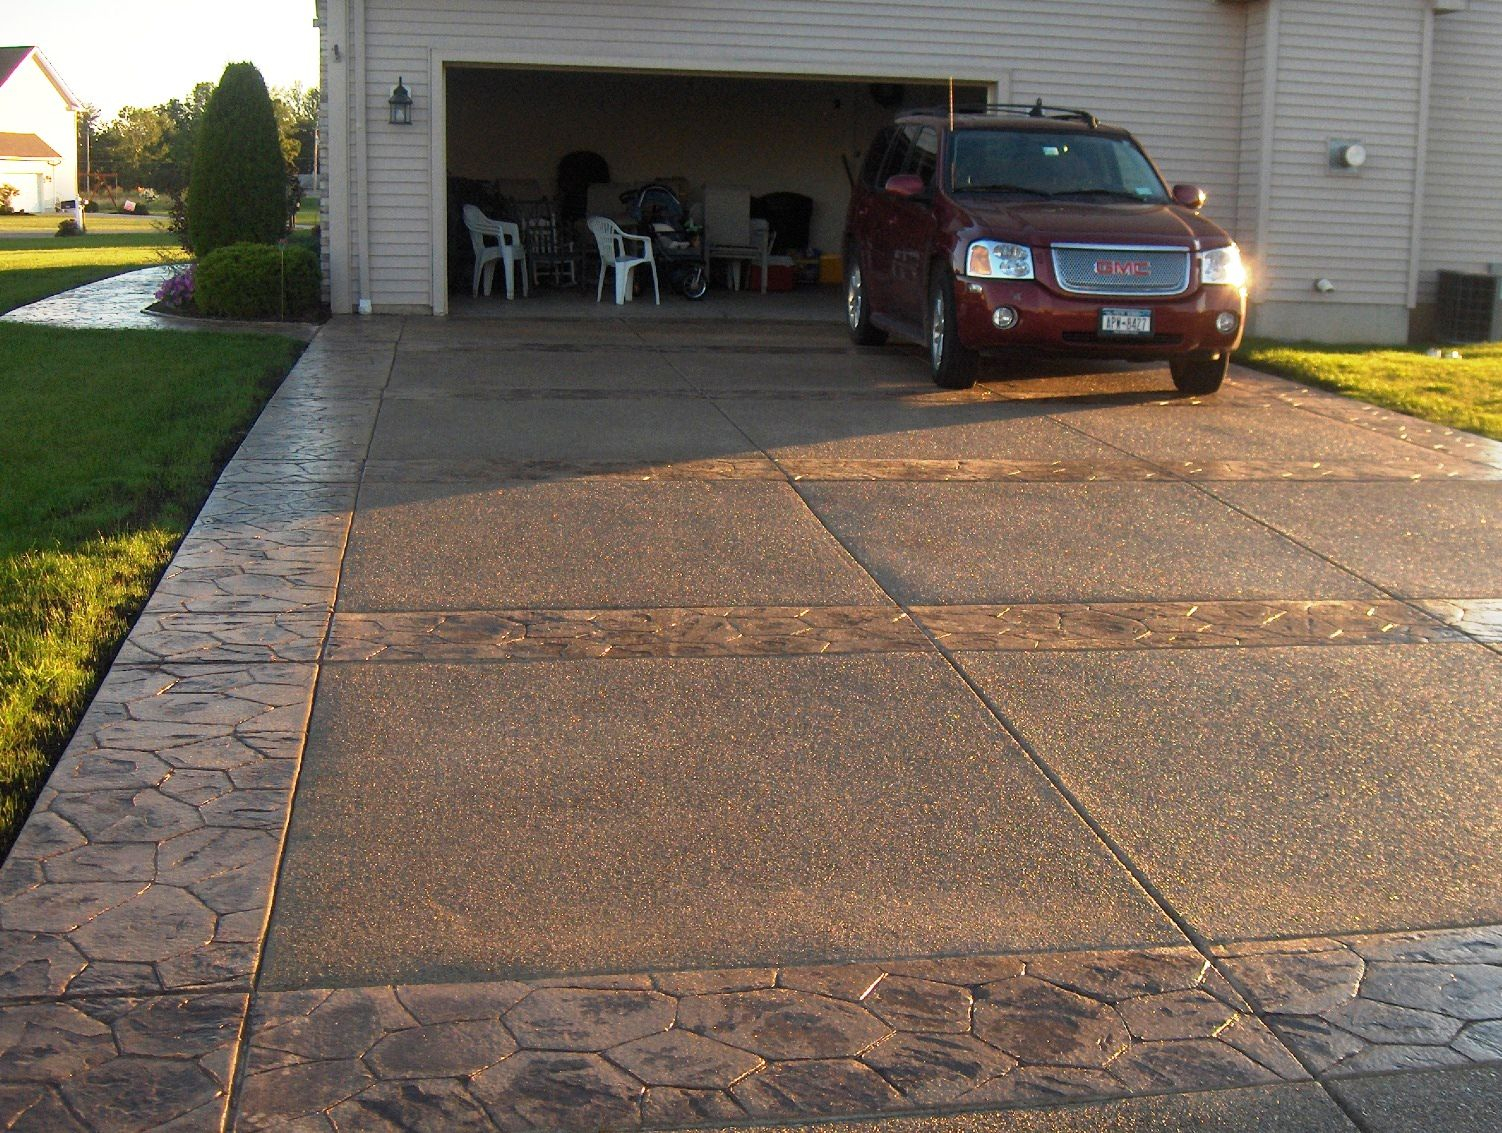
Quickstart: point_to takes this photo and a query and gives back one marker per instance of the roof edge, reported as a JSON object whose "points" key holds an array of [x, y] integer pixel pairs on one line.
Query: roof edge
{"points": [[53, 76]]}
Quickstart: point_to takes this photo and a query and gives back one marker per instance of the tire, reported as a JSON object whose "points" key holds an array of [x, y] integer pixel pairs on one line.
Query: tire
{"points": [[693, 282], [952, 364], [857, 309], [1200, 374]]}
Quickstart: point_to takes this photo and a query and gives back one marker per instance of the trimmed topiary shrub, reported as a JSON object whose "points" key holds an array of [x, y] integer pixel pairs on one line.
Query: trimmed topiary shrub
{"points": [[238, 190], [246, 281]]}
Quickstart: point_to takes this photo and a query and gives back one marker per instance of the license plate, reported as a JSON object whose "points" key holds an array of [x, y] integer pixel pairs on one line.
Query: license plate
{"points": [[1126, 323]]}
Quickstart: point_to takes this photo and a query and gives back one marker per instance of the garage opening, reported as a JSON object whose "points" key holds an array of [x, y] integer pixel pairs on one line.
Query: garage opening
{"points": [[782, 138]]}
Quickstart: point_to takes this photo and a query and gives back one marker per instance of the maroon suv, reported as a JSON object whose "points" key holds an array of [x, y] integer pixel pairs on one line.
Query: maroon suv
{"points": [[1036, 227]]}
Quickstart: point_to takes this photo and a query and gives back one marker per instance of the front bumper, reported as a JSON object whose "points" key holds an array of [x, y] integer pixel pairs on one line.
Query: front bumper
{"points": [[1183, 324]]}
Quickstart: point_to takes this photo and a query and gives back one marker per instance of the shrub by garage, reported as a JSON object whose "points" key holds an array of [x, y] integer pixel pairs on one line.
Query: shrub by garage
{"points": [[258, 281]]}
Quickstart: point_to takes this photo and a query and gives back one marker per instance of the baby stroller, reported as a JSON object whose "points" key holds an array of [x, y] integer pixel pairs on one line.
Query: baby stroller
{"points": [[659, 214]]}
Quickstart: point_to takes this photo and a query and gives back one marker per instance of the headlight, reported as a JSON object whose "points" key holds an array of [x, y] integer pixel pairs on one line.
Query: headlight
{"points": [[991, 259], [1223, 265]]}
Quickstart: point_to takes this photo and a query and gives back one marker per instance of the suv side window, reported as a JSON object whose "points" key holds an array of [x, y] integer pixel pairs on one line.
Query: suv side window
{"points": [[896, 156], [923, 154], [874, 157]]}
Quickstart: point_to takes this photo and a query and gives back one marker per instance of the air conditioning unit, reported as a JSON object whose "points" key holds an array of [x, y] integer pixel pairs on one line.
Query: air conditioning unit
{"points": [[1468, 309]]}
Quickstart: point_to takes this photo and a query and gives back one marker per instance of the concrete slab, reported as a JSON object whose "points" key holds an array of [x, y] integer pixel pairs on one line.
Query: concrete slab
{"points": [[588, 545], [627, 815], [1294, 1108], [825, 368], [425, 373], [894, 429], [1434, 1101], [1283, 791], [1429, 540], [645, 428], [1176, 431], [989, 543]]}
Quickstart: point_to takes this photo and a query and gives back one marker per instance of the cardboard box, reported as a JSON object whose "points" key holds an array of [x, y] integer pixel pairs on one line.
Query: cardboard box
{"points": [[832, 268]]}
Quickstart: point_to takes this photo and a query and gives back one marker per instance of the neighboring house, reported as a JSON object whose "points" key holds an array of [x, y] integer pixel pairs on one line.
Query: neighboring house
{"points": [[1255, 100], [38, 131]]}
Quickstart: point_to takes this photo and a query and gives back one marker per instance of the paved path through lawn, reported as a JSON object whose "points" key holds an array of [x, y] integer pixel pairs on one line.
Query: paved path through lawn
{"points": [[576, 724]]}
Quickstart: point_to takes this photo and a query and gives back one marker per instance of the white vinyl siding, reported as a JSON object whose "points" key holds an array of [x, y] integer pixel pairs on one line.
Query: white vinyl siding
{"points": [[1346, 69], [1170, 70], [1462, 227]]}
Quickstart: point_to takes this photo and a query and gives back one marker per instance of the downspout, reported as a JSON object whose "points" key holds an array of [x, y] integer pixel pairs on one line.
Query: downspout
{"points": [[361, 196], [1265, 161], [1421, 159]]}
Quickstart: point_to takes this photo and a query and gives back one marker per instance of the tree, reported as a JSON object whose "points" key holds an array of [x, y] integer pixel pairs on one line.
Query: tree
{"points": [[237, 192], [297, 118], [183, 115], [134, 145]]}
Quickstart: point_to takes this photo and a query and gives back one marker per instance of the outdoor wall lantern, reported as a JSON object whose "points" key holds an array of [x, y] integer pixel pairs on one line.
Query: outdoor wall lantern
{"points": [[401, 104]]}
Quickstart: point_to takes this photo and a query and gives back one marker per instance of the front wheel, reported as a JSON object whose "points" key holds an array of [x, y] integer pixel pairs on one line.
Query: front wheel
{"points": [[857, 307], [693, 281], [1200, 375], [952, 364]]}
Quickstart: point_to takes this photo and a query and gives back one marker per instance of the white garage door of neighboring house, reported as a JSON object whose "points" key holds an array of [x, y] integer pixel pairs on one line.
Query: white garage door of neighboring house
{"points": [[30, 184]]}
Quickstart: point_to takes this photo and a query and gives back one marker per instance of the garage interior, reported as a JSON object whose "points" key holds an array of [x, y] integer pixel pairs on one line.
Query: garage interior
{"points": [[508, 128]]}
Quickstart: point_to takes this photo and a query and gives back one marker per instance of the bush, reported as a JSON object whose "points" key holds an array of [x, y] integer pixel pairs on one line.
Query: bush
{"points": [[91, 206], [69, 227], [8, 195], [245, 281], [237, 193]]}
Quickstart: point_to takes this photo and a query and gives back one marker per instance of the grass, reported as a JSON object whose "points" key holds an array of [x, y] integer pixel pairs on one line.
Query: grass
{"points": [[32, 269], [307, 214], [45, 223], [109, 443], [1463, 393]]}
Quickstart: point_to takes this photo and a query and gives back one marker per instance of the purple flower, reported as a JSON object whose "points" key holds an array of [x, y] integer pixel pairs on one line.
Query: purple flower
{"points": [[177, 289]]}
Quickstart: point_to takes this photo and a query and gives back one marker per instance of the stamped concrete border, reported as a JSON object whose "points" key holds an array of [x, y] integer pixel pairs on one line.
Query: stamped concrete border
{"points": [[134, 903]]}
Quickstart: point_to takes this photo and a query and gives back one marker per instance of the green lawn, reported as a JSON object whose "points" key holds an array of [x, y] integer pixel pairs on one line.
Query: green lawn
{"points": [[307, 214], [97, 223], [1464, 393], [33, 268], [109, 443]]}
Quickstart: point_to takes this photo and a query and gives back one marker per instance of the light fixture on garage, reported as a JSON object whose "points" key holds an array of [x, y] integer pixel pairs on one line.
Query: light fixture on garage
{"points": [[400, 103]]}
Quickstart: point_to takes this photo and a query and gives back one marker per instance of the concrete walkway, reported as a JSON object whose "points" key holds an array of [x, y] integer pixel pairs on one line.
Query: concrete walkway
{"points": [[120, 302], [569, 724]]}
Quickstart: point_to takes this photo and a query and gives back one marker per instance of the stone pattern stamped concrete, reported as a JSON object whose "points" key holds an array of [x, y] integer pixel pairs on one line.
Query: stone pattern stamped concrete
{"points": [[684, 1048], [1392, 1001], [134, 906]]}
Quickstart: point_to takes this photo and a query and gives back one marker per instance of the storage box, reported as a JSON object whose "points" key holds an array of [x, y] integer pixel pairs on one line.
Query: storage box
{"points": [[832, 268], [780, 276]]}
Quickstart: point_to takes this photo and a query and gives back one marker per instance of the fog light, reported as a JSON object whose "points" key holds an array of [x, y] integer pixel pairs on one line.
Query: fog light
{"points": [[1005, 318], [1226, 322]]}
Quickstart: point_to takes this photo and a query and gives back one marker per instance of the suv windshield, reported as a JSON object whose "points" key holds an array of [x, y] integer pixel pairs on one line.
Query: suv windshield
{"points": [[1063, 165]]}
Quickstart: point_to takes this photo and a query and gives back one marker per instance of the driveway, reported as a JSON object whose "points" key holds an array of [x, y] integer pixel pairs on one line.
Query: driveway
{"points": [[570, 724]]}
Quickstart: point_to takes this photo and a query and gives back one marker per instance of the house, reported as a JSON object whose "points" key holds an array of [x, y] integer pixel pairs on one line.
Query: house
{"points": [[38, 131], [1342, 141]]}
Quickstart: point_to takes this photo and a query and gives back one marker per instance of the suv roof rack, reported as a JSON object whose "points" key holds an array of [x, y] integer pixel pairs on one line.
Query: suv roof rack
{"points": [[1016, 109]]}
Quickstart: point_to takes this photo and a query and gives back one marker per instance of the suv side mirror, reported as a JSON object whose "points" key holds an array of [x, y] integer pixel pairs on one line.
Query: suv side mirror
{"points": [[1190, 196], [906, 185]]}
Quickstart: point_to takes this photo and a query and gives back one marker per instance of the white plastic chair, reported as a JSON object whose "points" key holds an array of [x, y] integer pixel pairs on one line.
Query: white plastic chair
{"points": [[508, 249], [612, 242]]}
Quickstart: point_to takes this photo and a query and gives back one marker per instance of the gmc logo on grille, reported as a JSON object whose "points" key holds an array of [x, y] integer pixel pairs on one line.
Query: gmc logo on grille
{"points": [[1123, 267]]}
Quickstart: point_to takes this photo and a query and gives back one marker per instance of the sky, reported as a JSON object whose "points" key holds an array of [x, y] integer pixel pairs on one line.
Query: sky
{"points": [[115, 55]]}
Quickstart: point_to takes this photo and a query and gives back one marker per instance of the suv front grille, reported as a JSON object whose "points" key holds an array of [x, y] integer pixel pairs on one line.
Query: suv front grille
{"points": [[1090, 269]]}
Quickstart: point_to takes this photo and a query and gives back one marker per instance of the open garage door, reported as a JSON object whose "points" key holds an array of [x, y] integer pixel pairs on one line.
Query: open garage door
{"points": [[508, 128]]}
